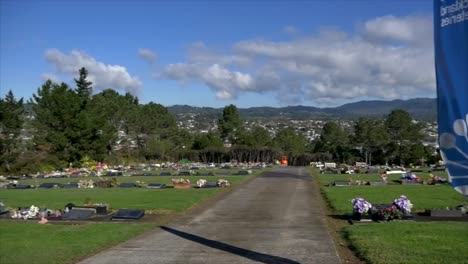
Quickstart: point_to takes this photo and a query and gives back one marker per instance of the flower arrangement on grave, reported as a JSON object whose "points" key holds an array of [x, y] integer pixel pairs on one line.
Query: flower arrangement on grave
{"points": [[383, 176], [25, 213], [361, 206], [140, 184], [222, 183], [389, 213], [180, 181], [403, 204], [86, 184], [201, 183]]}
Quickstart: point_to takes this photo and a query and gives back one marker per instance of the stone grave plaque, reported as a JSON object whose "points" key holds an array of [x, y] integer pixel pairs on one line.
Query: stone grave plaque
{"points": [[112, 174], [377, 183], [79, 214], [184, 173], [125, 214], [99, 209], [165, 174], [411, 182], [341, 183], [127, 185], [210, 185], [49, 185], [71, 185], [155, 186], [23, 186], [447, 213]]}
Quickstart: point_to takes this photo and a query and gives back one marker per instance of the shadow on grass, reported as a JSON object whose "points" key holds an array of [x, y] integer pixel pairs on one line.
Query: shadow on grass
{"points": [[249, 254]]}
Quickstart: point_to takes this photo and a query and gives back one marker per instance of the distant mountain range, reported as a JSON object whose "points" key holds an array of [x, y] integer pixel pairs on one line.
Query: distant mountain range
{"points": [[419, 108]]}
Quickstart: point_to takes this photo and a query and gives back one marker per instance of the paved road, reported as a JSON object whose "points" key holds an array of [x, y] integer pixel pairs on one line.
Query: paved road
{"points": [[274, 218]]}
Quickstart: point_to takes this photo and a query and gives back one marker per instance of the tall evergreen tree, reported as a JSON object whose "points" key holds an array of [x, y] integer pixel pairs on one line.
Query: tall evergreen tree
{"points": [[229, 125], [11, 122], [83, 85]]}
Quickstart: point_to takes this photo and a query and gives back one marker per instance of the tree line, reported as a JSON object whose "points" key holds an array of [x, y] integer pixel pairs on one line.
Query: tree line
{"points": [[67, 126]]}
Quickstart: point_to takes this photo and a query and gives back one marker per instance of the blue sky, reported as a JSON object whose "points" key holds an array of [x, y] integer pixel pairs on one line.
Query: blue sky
{"points": [[213, 53]]}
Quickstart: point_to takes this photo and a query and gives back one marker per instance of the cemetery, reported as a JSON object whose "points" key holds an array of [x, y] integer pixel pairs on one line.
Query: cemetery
{"points": [[94, 204], [381, 216]]}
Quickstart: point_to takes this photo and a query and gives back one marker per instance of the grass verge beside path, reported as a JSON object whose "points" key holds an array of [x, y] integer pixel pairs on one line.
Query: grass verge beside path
{"points": [[410, 242], [398, 241], [34, 243]]}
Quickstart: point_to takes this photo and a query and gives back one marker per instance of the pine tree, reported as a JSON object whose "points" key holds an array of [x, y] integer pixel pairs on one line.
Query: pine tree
{"points": [[83, 86], [11, 122]]}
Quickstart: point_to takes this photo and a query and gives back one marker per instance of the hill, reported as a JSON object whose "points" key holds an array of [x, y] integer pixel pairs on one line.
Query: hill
{"points": [[419, 108]]}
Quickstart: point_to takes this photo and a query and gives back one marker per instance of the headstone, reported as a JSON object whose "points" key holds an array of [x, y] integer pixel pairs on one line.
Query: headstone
{"points": [[79, 214], [112, 174], [23, 186], [155, 186], [377, 183], [184, 173], [165, 174], [71, 185], [126, 214], [341, 183], [243, 173], [99, 209], [210, 185], [127, 185], [447, 213], [405, 182], [49, 185]]}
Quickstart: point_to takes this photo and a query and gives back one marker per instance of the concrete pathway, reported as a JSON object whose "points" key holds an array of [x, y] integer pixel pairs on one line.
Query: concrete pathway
{"points": [[274, 218]]}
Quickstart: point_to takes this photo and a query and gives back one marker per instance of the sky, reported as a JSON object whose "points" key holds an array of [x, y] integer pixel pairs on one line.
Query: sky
{"points": [[215, 53]]}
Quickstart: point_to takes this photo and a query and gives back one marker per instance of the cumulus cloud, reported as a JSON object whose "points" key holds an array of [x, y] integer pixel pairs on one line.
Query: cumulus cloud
{"points": [[103, 76], [386, 58], [147, 55]]}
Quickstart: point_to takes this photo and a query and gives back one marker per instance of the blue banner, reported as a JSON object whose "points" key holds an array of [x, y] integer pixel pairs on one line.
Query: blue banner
{"points": [[451, 63]]}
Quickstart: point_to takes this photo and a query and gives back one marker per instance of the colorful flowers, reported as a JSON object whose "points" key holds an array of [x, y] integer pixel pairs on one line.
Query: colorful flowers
{"points": [[403, 204], [361, 206]]}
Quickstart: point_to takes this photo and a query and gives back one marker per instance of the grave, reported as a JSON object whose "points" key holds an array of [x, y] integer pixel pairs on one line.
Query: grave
{"points": [[49, 185], [155, 186], [406, 182], [210, 185], [23, 186], [446, 213], [377, 183], [127, 185], [184, 173], [111, 174], [99, 209], [126, 214], [243, 172], [165, 174], [79, 214], [341, 183], [70, 185]]}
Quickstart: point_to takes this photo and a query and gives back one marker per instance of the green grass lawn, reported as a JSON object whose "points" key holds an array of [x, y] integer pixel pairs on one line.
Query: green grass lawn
{"points": [[325, 179], [422, 196], [410, 242], [29, 242], [400, 241], [130, 198]]}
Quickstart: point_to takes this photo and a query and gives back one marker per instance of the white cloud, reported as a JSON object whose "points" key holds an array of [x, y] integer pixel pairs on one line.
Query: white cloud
{"points": [[103, 76], [389, 58], [148, 55]]}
